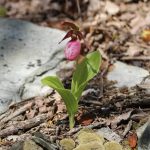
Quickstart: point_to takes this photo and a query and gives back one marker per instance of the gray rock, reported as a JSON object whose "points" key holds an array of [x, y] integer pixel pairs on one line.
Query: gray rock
{"points": [[126, 75], [17, 146], [141, 129], [27, 53], [144, 137]]}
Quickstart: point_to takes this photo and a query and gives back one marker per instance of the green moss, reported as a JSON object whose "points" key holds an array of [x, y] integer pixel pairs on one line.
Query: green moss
{"points": [[67, 144], [112, 146]]}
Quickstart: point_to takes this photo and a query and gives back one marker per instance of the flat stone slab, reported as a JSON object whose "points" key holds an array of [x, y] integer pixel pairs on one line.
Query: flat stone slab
{"points": [[126, 75], [27, 53]]}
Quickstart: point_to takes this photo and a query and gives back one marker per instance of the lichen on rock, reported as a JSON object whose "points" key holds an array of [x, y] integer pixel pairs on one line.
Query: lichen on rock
{"points": [[87, 136], [112, 145], [90, 146], [67, 144]]}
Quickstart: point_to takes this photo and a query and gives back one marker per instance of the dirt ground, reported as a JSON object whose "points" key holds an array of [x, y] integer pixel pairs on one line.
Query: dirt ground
{"points": [[117, 29]]}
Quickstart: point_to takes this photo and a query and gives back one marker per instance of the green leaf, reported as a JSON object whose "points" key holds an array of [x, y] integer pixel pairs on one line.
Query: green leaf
{"points": [[85, 72], [3, 11], [67, 96]]}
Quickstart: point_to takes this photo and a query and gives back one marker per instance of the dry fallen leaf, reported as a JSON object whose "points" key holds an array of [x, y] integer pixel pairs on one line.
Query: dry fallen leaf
{"points": [[85, 119], [146, 35], [125, 116], [39, 102], [43, 109], [31, 114], [133, 50], [132, 139], [111, 8]]}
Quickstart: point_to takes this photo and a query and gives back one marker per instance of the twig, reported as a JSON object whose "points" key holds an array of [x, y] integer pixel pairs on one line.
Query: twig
{"points": [[4, 115], [78, 7], [94, 102], [127, 129], [94, 125], [17, 112], [22, 102], [138, 117], [24, 125], [136, 58], [43, 143]]}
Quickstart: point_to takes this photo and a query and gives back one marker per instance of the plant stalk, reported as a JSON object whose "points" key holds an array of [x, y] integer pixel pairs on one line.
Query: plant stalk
{"points": [[71, 121]]}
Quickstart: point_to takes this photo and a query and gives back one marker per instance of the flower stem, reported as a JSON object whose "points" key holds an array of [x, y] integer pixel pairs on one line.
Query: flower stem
{"points": [[71, 121]]}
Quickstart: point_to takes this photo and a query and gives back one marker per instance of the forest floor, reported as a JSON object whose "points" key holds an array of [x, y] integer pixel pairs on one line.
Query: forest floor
{"points": [[118, 29]]}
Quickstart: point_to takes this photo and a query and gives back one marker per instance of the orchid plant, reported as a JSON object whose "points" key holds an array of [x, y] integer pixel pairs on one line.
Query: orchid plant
{"points": [[84, 72]]}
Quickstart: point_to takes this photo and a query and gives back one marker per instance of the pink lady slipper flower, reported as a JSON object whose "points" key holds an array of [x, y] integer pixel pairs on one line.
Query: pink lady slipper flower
{"points": [[72, 50]]}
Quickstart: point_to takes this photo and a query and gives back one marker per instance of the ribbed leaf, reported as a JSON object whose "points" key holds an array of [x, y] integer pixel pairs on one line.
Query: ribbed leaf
{"points": [[67, 96], [85, 72]]}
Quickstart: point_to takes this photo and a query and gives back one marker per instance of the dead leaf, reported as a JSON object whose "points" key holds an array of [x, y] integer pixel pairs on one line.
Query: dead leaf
{"points": [[43, 109], [85, 119], [139, 22], [146, 35], [136, 23], [114, 123], [111, 8], [4, 142], [133, 50], [94, 6], [132, 139], [39, 102], [31, 114]]}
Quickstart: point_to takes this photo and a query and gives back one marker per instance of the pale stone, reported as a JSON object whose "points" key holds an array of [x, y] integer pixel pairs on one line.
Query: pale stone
{"points": [[126, 75], [27, 53]]}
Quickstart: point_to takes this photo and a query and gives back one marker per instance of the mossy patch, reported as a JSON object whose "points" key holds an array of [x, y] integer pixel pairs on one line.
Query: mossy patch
{"points": [[67, 144], [90, 146], [86, 137], [112, 146]]}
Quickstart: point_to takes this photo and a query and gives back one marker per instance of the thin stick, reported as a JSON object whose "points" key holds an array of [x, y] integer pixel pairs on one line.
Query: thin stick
{"points": [[78, 7], [94, 125], [17, 112], [136, 58], [24, 125], [127, 129]]}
